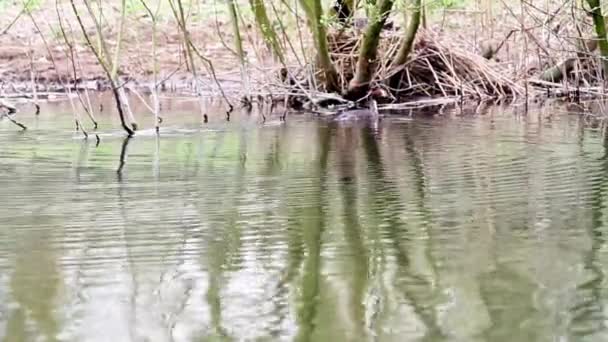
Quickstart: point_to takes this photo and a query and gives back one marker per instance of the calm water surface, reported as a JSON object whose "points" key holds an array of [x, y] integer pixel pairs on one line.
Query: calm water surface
{"points": [[487, 227]]}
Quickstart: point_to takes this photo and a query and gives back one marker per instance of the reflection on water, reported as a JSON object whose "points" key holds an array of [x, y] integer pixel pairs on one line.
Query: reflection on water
{"points": [[462, 228]]}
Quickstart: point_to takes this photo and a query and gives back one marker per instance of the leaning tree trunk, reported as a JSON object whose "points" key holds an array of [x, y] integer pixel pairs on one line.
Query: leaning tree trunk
{"points": [[406, 44], [238, 43], [366, 62], [314, 12], [410, 35], [270, 36], [600, 30]]}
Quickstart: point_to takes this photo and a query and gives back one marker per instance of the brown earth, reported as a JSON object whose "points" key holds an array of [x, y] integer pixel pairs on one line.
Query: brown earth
{"points": [[23, 50]]}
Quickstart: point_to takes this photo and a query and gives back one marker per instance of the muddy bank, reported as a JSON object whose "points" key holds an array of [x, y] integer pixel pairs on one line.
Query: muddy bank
{"points": [[452, 64], [33, 52]]}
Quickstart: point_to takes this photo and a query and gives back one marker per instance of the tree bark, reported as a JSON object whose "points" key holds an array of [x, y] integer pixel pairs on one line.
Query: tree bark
{"points": [[600, 30], [238, 43], [407, 42], [270, 37], [410, 35], [314, 11], [366, 62]]}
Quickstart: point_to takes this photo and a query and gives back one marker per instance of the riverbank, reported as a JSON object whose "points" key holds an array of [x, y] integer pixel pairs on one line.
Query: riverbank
{"points": [[34, 51], [475, 55]]}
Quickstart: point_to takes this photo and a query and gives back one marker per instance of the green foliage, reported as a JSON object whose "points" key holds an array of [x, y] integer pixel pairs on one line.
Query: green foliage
{"points": [[370, 9], [327, 19], [134, 7], [32, 5], [452, 3], [28, 5], [446, 4]]}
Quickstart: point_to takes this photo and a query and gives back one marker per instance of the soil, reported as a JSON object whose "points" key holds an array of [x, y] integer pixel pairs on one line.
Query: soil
{"points": [[23, 51]]}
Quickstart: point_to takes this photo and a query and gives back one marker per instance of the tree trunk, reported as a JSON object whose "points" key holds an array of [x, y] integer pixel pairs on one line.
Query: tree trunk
{"points": [[366, 62], [600, 30], [314, 11], [410, 35], [270, 37], [238, 43], [406, 44]]}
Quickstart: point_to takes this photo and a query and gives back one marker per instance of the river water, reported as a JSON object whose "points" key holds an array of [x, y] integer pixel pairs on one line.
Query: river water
{"points": [[454, 227]]}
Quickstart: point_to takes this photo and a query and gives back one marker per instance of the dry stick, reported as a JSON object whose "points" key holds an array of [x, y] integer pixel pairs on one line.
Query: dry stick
{"points": [[308, 63], [276, 51], [544, 23], [192, 48], [75, 113], [217, 30], [257, 51], [119, 107], [449, 65], [115, 64], [103, 56], [30, 55], [213, 74], [89, 107], [72, 57], [525, 31], [121, 29], [284, 32], [157, 83], [181, 20], [102, 50], [239, 48], [33, 79], [143, 100], [298, 27], [435, 76], [24, 9], [154, 89]]}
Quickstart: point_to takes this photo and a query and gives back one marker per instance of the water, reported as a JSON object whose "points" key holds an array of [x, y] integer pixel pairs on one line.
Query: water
{"points": [[488, 227]]}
